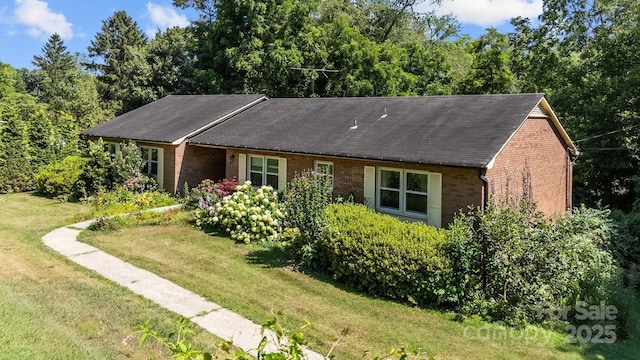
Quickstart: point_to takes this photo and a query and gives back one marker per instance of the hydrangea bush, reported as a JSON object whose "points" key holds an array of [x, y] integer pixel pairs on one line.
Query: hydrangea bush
{"points": [[247, 215]]}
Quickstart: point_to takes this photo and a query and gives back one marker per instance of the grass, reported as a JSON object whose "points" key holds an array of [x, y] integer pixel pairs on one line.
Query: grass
{"points": [[254, 281], [51, 308]]}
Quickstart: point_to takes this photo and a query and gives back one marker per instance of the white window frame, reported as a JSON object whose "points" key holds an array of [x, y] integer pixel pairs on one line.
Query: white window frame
{"points": [[149, 162], [112, 147], [265, 170], [320, 173], [402, 204]]}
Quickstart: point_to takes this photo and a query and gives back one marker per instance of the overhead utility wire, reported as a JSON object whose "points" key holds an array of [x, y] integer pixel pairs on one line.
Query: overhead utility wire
{"points": [[608, 133]]}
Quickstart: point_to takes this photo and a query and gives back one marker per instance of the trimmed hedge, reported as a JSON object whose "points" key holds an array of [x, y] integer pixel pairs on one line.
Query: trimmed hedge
{"points": [[386, 257]]}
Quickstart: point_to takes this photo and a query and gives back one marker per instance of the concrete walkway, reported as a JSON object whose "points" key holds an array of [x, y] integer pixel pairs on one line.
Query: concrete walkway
{"points": [[208, 315]]}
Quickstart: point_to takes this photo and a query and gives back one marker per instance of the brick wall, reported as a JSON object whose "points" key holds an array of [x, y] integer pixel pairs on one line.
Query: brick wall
{"points": [[460, 186], [197, 163], [534, 165]]}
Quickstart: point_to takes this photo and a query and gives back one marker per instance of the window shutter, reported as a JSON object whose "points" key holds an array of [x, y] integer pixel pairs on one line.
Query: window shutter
{"points": [[370, 186], [435, 199], [242, 168], [282, 174]]}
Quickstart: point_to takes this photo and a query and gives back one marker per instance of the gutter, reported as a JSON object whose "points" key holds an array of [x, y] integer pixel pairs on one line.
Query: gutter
{"points": [[482, 172]]}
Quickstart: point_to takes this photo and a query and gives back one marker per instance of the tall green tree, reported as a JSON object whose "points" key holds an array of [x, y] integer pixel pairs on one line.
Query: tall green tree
{"points": [[394, 13], [170, 56], [7, 80], [56, 62], [490, 72], [119, 55], [252, 45], [16, 171], [585, 56]]}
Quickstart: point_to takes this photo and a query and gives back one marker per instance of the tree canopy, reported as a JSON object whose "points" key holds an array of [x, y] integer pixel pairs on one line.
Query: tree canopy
{"points": [[583, 55]]}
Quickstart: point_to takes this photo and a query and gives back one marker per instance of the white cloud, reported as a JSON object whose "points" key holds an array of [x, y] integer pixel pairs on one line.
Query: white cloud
{"points": [[41, 20], [488, 13], [166, 16]]}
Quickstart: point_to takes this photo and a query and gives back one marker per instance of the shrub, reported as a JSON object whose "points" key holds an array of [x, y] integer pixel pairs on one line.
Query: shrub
{"points": [[247, 214], [104, 171], [510, 261], [58, 179], [121, 200], [127, 163], [98, 174], [384, 256], [140, 183], [305, 199], [140, 218], [208, 192]]}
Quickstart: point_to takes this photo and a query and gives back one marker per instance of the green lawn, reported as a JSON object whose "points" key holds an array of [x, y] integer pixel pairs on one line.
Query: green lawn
{"points": [[253, 281], [51, 308]]}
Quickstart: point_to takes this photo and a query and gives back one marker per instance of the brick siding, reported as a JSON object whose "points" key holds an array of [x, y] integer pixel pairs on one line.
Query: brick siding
{"points": [[534, 165], [198, 163], [461, 187]]}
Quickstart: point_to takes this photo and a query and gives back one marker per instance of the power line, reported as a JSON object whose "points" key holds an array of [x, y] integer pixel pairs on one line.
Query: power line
{"points": [[608, 133]]}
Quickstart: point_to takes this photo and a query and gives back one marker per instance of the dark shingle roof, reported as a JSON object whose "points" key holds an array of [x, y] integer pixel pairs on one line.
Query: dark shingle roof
{"points": [[171, 118], [446, 130]]}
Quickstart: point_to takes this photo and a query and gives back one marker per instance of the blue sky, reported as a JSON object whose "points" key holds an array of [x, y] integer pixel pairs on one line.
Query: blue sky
{"points": [[25, 25]]}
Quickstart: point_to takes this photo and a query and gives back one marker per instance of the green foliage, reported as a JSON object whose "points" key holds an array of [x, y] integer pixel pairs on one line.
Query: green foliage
{"points": [[98, 175], [123, 71], [58, 179], [7, 80], [583, 55], [127, 163], [510, 260], [384, 256], [175, 343], [290, 344], [247, 214], [56, 62], [140, 184], [16, 154], [305, 199], [105, 171], [490, 72], [121, 201]]}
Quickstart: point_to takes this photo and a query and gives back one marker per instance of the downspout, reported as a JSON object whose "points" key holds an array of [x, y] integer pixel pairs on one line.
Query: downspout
{"points": [[567, 182], [571, 157], [485, 186]]}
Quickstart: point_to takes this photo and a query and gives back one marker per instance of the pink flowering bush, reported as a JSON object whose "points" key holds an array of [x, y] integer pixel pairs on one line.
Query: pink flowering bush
{"points": [[208, 192]]}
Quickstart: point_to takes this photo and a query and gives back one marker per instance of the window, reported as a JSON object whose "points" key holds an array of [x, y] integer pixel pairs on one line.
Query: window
{"points": [[264, 171], [325, 168], [403, 192], [111, 148], [151, 166]]}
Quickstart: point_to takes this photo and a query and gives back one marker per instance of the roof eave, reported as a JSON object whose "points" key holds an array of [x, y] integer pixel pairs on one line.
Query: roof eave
{"points": [[571, 147], [556, 122]]}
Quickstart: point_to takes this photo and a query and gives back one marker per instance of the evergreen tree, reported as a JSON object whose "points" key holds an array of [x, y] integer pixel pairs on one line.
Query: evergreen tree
{"points": [[56, 62], [123, 72], [7, 80]]}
